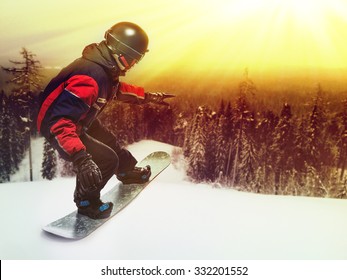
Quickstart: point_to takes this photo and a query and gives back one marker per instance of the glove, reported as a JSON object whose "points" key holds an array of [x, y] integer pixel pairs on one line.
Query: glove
{"points": [[88, 173], [157, 97]]}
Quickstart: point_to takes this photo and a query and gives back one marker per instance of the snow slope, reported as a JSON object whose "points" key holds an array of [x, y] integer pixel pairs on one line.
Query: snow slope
{"points": [[175, 219]]}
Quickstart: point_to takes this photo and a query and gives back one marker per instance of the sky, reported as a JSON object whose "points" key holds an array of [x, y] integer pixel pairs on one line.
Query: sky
{"points": [[195, 36]]}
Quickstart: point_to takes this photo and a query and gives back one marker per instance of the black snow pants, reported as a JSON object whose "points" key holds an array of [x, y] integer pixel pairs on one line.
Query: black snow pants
{"points": [[108, 155]]}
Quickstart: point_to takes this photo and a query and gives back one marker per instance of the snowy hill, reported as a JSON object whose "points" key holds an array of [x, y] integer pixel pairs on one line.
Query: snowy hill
{"points": [[174, 219]]}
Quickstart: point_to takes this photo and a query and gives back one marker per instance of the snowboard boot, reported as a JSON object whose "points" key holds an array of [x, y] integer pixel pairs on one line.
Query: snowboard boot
{"points": [[95, 209], [138, 175]]}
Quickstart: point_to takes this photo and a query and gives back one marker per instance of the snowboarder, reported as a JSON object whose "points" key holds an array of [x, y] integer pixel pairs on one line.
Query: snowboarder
{"points": [[71, 103]]}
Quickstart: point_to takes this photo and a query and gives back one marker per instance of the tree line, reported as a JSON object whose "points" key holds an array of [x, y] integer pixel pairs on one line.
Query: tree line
{"points": [[265, 152], [243, 145], [237, 143]]}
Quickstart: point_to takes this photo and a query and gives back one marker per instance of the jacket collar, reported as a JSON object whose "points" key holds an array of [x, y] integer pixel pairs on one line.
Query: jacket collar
{"points": [[100, 54]]}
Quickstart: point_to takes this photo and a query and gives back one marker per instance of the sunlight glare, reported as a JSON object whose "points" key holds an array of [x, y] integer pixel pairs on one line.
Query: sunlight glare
{"points": [[190, 37], [267, 34]]}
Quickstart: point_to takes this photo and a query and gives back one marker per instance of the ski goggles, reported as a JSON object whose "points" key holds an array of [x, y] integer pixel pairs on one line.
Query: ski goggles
{"points": [[118, 47]]}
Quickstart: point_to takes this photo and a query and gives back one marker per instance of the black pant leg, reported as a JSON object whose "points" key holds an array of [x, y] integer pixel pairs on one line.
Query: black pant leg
{"points": [[126, 160], [107, 161]]}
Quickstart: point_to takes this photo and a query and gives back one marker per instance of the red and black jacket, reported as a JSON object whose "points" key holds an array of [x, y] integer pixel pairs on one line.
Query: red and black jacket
{"points": [[74, 98]]}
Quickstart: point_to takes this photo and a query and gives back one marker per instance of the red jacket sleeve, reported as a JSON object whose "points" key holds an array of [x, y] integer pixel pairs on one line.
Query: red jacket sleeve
{"points": [[66, 136], [63, 109], [130, 93]]}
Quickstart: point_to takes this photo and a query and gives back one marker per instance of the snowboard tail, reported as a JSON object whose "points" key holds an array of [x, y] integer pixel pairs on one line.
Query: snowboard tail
{"points": [[77, 226]]}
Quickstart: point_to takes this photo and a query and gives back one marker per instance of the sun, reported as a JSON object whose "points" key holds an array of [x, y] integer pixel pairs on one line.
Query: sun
{"points": [[263, 35]]}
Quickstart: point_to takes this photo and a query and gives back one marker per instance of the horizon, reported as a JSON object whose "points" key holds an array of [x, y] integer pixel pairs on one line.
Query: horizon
{"points": [[276, 80]]}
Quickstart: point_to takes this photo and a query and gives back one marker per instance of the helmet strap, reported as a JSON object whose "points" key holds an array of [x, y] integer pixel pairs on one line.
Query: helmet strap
{"points": [[119, 63], [123, 63]]}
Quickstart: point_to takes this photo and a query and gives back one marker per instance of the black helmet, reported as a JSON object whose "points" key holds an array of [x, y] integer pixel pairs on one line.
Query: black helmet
{"points": [[127, 42]]}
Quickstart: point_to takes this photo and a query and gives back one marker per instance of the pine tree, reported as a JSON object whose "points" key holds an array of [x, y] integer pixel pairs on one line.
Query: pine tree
{"points": [[138, 123], [113, 119], [6, 163], [330, 150], [342, 143], [49, 163], [2, 101], [221, 146], [3, 176], [25, 73], [197, 164], [242, 118], [265, 140], [179, 129], [26, 80], [11, 139], [189, 135], [159, 123], [321, 157], [315, 138], [229, 125], [17, 141], [129, 124], [221, 110], [301, 152], [229, 134], [282, 147], [301, 145], [209, 126], [317, 125], [249, 156]]}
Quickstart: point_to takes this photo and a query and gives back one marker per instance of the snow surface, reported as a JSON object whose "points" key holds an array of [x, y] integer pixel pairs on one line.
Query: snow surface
{"points": [[172, 219]]}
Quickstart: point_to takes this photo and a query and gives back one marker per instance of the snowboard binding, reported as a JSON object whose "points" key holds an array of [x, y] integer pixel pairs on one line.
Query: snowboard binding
{"points": [[95, 209], [138, 175]]}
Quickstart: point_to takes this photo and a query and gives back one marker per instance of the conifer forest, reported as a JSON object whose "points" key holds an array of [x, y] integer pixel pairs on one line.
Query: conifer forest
{"points": [[238, 139]]}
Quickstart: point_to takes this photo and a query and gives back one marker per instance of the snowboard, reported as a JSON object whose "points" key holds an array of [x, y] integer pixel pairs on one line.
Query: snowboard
{"points": [[76, 226]]}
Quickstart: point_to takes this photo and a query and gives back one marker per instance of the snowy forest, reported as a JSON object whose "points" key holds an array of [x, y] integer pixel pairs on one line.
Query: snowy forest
{"points": [[234, 140]]}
